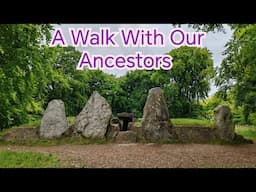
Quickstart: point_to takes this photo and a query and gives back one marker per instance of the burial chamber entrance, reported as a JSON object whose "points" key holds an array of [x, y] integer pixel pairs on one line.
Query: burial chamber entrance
{"points": [[125, 118]]}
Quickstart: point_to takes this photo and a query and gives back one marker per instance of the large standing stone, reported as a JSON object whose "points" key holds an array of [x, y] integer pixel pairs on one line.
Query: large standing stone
{"points": [[225, 129], [54, 122], [155, 123], [94, 119]]}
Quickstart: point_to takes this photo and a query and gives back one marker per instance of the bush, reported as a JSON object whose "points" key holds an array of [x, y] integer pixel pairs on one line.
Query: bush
{"points": [[252, 118]]}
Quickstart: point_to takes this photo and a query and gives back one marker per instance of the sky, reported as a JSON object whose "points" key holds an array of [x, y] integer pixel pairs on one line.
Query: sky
{"points": [[215, 42]]}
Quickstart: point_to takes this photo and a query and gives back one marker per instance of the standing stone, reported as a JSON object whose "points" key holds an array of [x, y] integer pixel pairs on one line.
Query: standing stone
{"points": [[94, 119], [225, 129], [113, 128], [54, 122], [155, 123]]}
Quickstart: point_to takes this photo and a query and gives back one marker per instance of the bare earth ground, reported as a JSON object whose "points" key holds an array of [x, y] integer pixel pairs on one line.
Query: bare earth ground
{"points": [[149, 155]]}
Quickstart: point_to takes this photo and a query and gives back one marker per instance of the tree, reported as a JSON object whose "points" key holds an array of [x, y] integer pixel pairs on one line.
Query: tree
{"points": [[238, 69], [73, 86], [67, 83], [208, 27], [106, 84], [133, 91], [184, 85], [22, 69], [189, 79]]}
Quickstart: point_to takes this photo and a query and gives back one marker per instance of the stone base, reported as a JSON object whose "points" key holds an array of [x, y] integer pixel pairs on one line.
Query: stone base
{"points": [[137, 131], [21, 134], [186, 134], [192, 134], [126, 137]]}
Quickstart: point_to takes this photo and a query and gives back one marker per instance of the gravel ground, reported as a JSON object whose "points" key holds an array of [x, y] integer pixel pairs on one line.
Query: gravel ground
{"points": [[149, 155]]}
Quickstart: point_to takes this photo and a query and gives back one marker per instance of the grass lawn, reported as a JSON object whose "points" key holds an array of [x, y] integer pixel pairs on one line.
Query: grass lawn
{"points": [[247, 131], [12, 159], [192, 122], [184, 121]]}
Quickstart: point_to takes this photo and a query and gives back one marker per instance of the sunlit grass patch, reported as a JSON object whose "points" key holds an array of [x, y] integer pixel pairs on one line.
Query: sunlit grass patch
{"points": [[12, 159]]}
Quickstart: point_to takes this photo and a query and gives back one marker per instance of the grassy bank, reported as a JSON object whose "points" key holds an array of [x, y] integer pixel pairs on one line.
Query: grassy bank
{"points": [[185, 122], [247, 131], [192, 122]]}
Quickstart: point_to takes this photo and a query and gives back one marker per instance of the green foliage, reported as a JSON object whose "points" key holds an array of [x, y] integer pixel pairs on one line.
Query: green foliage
{"points": [[11, 159], [75, 87], [67, 82], [32, 74], [208, 27], [71, 119], [30, 124], [127, 93], [189, 80], [137, 122], [107, 85], [210, 104], [184, 85], [238, 69], [132, 95], [252, 118], [21, 69]]}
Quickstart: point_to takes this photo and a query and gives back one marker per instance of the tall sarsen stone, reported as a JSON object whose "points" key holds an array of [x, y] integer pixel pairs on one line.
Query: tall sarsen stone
{"points": [[156, 124], [54, 122], [93, 120], [225, 128]]}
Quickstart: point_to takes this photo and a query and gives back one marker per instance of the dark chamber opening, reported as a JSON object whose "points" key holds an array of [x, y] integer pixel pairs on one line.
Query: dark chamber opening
{"points": [[125, 118]]}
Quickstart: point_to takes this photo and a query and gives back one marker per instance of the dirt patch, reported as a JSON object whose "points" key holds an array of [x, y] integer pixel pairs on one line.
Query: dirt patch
{"points": [[150, 155]]}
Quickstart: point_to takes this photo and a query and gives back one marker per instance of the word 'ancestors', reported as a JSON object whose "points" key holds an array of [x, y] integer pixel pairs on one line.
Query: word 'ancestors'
{"points": [[141, 37]]}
